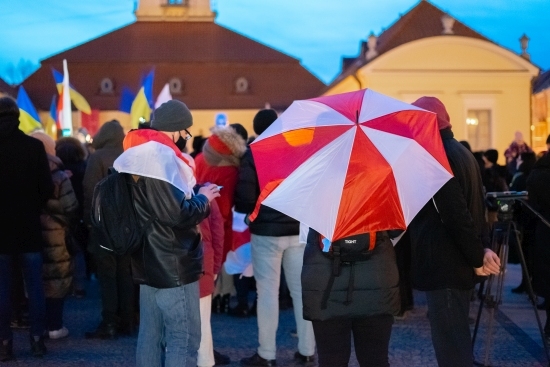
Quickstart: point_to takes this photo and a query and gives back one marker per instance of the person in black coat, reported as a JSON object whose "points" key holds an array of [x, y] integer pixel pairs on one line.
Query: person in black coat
{"points": [[447, 247], [359, 302], [25, 187], [539, 197]]}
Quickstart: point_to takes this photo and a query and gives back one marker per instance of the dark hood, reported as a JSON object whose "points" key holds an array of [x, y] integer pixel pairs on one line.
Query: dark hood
{"points": [[110, 135], [543, 162], [8, 125]]}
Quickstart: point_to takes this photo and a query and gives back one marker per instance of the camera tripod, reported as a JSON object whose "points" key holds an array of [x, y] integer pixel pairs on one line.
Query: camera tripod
{"points": [[490, 298]]}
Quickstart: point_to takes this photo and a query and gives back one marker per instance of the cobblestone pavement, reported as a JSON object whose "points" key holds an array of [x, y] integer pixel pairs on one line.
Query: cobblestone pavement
{"points": [[516, 338]]}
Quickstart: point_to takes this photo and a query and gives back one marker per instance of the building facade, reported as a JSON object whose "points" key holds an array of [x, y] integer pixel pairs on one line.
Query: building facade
{"points": [[217, 72], [485, 87]]}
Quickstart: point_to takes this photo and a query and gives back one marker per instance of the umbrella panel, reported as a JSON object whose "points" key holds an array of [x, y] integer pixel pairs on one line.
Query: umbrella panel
{"points": [[282, 154], [370, 201]]}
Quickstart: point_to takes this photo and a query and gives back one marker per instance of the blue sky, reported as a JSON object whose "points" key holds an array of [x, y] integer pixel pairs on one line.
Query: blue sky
{"points": [[318, 32]]}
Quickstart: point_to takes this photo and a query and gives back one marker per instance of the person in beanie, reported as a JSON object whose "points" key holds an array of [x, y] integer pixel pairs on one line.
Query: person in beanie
{"points": [[274, 242], [170, 263], [25, 187], [113, 271], [447, 238]]}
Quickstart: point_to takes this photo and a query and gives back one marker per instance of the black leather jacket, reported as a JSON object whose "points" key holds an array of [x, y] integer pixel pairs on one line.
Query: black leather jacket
{"points": [[172, 252]]}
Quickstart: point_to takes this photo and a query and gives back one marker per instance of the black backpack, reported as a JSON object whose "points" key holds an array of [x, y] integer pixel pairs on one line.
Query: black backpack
{"points": [[114, 217], [346, 251]]}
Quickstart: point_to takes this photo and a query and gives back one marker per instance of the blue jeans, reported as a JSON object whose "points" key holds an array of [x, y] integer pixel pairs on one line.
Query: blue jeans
{"points": [[170, 323], [31, 264], [448, 311]]}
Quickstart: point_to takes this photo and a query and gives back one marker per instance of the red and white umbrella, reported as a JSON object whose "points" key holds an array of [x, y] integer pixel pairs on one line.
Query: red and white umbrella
{"points": [[351, 163]]}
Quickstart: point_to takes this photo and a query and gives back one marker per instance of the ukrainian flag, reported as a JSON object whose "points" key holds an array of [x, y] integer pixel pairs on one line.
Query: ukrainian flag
{"points": [[126, 100], [28, 117], [141, 107], [78, 99], [50, 125]]}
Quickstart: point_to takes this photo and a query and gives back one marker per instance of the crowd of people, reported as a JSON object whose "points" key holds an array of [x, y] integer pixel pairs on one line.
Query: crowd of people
{"points": [[192, 194]]}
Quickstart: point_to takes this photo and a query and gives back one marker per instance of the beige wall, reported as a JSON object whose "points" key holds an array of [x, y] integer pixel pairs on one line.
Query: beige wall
{"points": [[464, 73]]}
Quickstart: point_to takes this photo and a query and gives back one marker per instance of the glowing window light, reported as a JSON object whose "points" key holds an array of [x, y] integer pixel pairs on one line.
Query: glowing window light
{"points": [[472, 121]]}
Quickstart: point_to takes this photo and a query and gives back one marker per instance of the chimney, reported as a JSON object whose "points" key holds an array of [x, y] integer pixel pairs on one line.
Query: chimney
{"points": [[524, 43], [371, 43], [447, 21]]}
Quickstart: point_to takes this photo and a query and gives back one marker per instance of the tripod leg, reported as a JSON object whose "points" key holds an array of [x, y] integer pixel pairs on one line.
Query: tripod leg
{"points": [[530, 291]]}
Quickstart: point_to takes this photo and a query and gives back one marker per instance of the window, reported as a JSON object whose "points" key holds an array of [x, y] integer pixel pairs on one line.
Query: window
{"points": [[478, 124]]}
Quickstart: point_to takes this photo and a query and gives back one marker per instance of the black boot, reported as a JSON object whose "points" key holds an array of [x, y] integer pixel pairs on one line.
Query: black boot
{"points": [[216, 304], [103, 331], [6, 350], [38, 349], [224, 303], [221, 359], [241, 310]]}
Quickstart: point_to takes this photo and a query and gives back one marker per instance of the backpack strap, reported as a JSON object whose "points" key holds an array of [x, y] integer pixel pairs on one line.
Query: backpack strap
{"points": [[351, 285], [336, 269]]}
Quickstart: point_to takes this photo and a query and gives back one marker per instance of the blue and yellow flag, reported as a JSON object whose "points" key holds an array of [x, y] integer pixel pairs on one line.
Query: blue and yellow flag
{"points": [[142, 105], [28, 117], [78, 99], [50, 125], [126, 100]]}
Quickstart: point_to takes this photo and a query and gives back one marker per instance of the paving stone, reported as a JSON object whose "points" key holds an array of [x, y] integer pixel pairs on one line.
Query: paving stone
{"points": [[516, 340]]}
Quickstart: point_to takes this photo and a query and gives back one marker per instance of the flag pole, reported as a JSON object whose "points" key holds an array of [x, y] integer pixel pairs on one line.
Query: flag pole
{"points": [[66, 112]]}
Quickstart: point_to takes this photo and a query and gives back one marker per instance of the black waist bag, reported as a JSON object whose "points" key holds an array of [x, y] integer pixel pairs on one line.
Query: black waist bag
{"points": [[347, 251]]}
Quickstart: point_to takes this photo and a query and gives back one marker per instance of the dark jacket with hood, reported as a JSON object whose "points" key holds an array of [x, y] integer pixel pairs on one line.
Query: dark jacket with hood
{"points": [[25, 187], [448, 233], [538, 187], [269, 222]]}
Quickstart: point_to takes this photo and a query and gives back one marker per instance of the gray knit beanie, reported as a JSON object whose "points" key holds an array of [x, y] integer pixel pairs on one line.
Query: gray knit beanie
{"points": [[172, 116]]}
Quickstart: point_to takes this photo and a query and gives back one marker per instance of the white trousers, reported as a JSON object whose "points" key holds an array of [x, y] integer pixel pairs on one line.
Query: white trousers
{"points": [[268, 253], [206, 350]]}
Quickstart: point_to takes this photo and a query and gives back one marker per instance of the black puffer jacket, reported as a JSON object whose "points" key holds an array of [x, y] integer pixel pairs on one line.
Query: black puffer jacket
{"points": [[375, 283], [448, 233], [269, 222], [172, 253]]}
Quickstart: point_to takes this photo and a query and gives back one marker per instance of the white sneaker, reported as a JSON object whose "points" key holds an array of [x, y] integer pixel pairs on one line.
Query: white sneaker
{"points": [[58, 334]]}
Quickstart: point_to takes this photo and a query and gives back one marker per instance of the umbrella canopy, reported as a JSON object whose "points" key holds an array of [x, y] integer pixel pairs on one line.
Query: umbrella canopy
{"points": [[351, 163]]}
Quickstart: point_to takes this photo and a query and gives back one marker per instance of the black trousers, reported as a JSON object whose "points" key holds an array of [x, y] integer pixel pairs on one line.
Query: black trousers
{"points": [[117, 288], [371, 338], [54, 313], [448, 311]]}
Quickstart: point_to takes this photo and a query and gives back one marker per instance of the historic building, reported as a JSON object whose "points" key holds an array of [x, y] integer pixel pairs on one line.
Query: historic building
{"points": [[214, 70], [541, 109], [485, 87]]}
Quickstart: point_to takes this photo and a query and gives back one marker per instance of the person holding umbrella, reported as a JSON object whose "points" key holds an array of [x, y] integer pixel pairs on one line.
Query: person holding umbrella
{"points": [[311, 166], [447, 248]]}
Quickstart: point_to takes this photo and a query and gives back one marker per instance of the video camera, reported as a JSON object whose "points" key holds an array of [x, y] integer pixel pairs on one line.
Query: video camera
{"points": [[504, 201]]}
